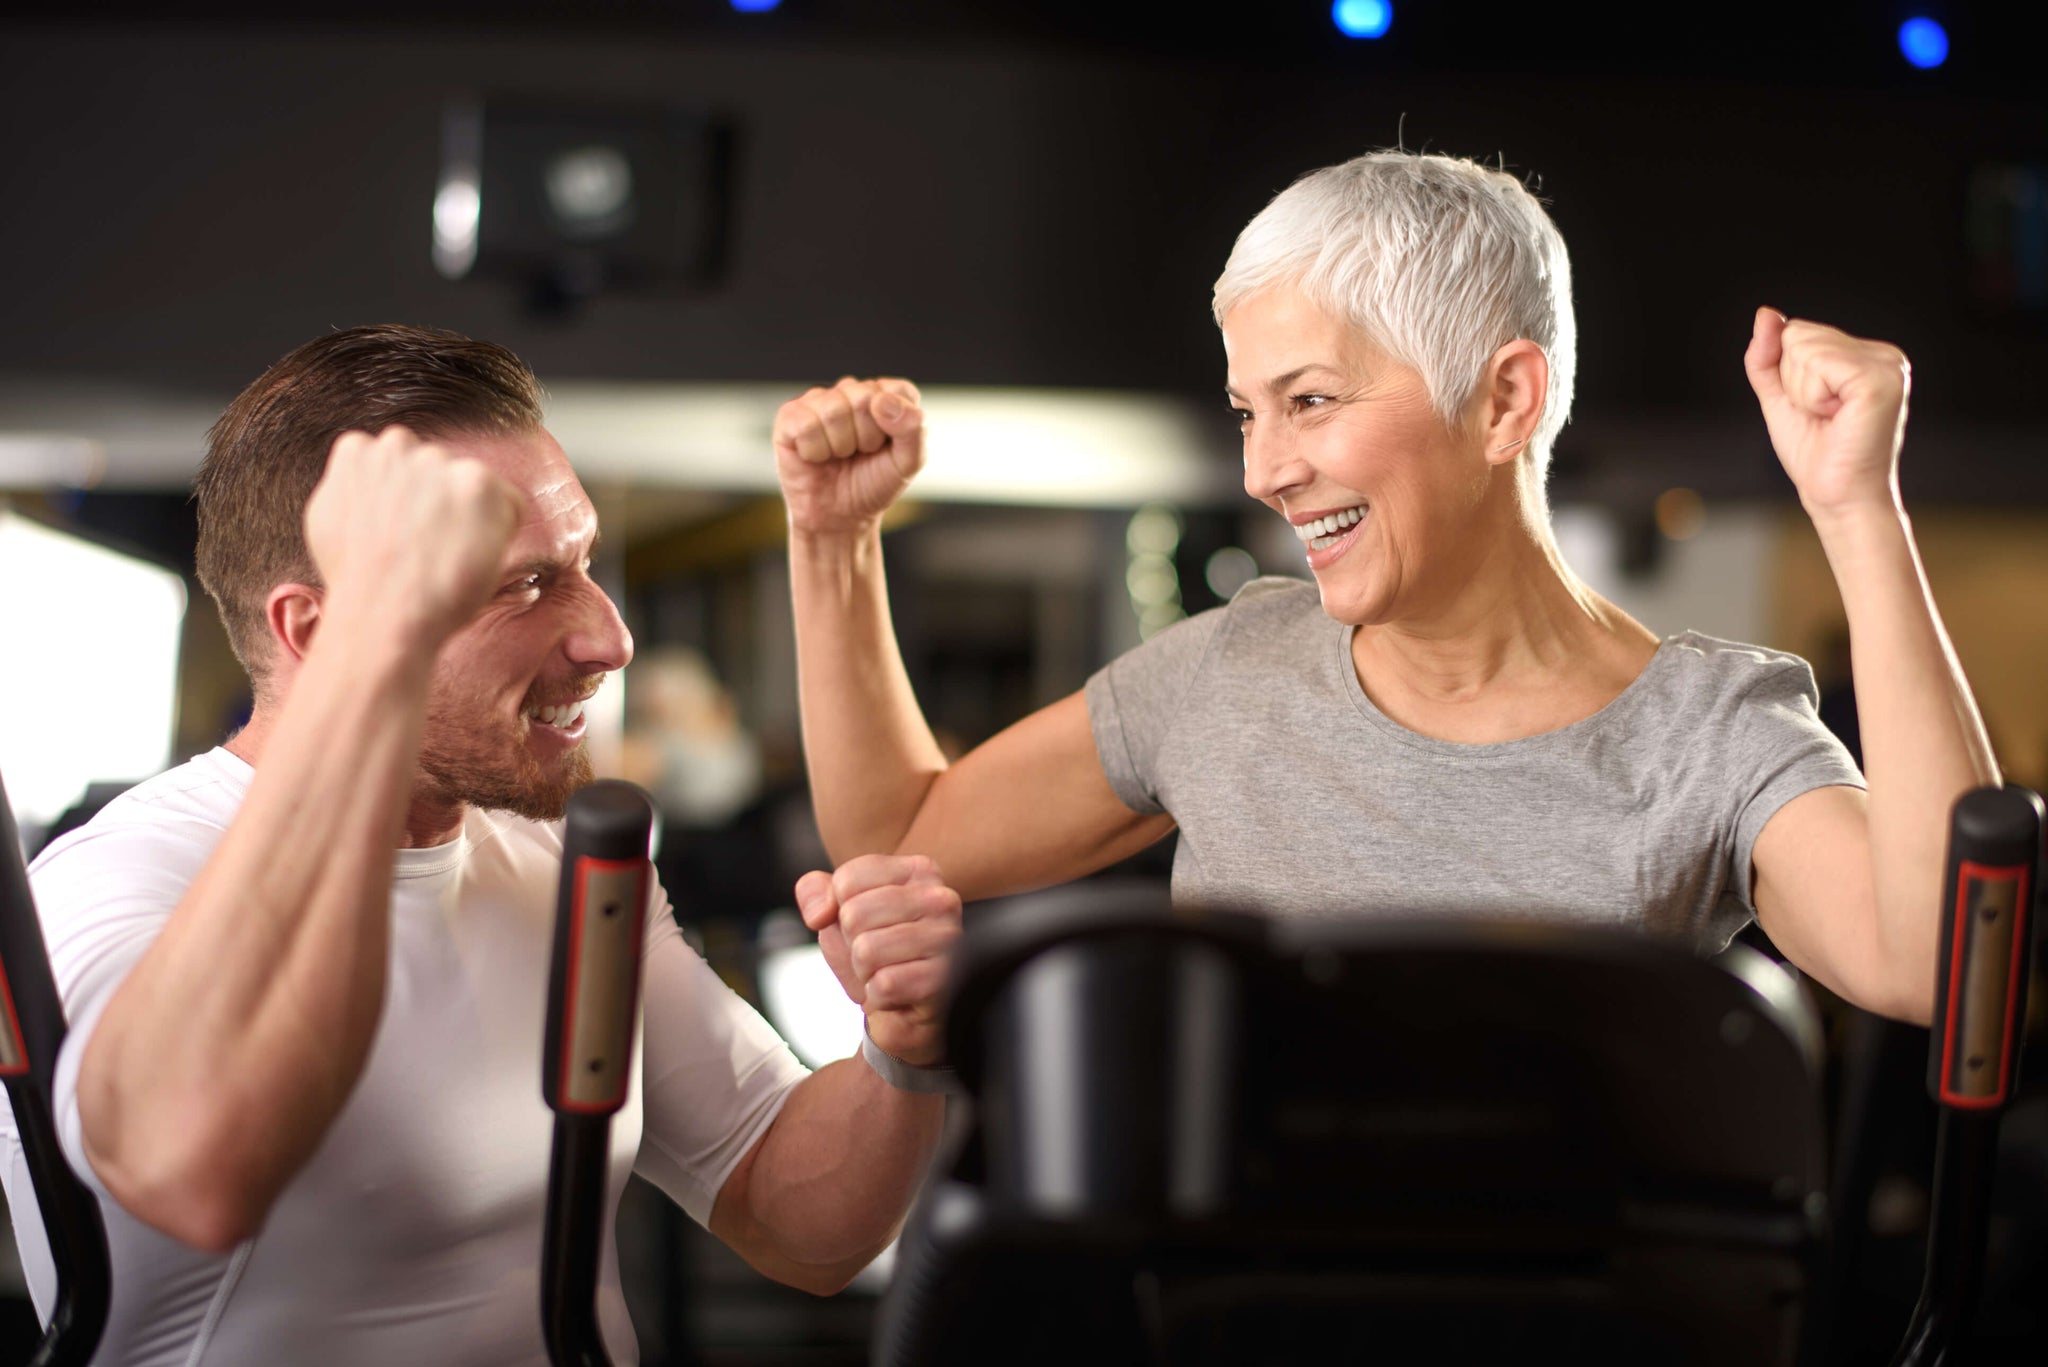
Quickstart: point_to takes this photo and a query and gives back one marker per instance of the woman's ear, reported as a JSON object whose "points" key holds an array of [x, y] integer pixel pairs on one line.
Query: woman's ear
{"points": [[292, 611], [1517, 380]]}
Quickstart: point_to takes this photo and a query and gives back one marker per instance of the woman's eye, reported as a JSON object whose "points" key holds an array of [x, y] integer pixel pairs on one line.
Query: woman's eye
{"points": [[1307, 401], [1241, 416]]}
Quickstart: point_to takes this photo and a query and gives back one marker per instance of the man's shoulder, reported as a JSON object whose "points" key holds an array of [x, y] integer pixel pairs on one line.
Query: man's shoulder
{"points": [[190, 803]]}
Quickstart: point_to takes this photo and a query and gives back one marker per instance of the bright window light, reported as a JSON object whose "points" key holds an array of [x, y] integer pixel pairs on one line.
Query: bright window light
{"points": [[1924, 42], [802, 997], [1362, 18], [93, 694]]}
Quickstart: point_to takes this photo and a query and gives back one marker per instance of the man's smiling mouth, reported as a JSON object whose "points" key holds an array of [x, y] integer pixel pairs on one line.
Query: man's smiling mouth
{"points": [[562, 715]]}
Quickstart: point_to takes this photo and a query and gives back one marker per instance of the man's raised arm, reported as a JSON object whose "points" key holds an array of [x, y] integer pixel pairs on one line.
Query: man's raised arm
{"points": [[223, 1057]]}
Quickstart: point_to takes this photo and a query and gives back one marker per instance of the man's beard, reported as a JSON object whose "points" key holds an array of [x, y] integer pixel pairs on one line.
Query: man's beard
{"points": [[467, 755]]}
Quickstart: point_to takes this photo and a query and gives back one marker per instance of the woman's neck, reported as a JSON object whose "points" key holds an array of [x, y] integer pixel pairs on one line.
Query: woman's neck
{"points": [[1515, 644]]}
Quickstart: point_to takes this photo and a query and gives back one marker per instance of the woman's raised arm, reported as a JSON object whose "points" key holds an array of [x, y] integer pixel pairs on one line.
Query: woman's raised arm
{"points": [[1852, 892], [1030, 807]]}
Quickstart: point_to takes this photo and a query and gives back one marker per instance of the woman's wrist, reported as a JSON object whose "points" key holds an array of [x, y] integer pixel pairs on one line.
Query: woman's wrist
{"points": [[835, 538], [1853, 534]]}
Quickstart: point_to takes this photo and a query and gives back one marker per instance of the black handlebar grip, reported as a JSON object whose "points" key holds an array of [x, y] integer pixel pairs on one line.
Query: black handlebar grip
{"points": [[1980, 992], [31, 1031], [31, 1017], [594, 979]]}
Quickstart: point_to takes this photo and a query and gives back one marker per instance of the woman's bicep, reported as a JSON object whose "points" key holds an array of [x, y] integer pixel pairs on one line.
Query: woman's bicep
{"points": [[1028, 808], [1815, 897]]}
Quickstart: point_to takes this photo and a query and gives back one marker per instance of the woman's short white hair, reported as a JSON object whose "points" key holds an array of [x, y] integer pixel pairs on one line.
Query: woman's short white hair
{"points": [[1437, 260]]}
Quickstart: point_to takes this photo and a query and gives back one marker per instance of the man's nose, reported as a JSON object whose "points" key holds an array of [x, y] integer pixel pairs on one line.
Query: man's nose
{"points": [[598, 643]]}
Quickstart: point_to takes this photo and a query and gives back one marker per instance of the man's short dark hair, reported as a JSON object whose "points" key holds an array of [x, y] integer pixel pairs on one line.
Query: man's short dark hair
{"points": [[270, 448]]}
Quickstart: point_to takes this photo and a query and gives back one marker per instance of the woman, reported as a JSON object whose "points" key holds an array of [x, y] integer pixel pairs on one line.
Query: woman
{"points": [[1448, 720]]}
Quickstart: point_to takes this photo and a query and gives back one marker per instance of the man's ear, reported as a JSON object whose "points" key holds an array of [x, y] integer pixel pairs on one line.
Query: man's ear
{"points": [[1517, 380], [292, 611]]}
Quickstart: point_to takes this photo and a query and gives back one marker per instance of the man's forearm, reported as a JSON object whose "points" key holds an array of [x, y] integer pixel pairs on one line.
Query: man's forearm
{"points": [[828, 1186], [1924, 743], [872, 757], [225, 1055]]}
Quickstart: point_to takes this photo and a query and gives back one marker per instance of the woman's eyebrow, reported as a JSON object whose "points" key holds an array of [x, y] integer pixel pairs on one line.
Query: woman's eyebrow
{"points": [[1280, 382]]}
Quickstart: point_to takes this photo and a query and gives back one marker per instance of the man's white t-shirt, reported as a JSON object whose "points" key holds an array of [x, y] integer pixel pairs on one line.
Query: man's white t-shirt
{"points": [[413, 1234]]}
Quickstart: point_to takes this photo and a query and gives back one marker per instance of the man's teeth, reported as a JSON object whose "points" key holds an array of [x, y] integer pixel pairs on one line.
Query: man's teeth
{"points": [[1322, 533], [563, 715]]}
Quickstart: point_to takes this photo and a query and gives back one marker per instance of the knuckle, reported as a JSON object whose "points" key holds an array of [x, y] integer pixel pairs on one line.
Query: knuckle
{"points": [[887, 985]]}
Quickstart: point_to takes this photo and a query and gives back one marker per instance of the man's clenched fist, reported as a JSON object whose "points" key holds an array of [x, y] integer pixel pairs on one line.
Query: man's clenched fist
{"points": [[409, 528], [887, 924], [846, 453]]}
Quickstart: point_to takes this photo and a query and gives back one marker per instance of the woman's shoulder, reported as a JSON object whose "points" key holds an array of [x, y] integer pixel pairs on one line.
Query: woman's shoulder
{"points": [[1707, 672], [1264, 620], [1276, 601]]}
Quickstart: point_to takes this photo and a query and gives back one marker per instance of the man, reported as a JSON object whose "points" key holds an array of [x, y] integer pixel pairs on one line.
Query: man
{"points": [[306, 973]]}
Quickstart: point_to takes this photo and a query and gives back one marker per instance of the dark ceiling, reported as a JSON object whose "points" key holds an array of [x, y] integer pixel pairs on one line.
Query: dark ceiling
{"points": [[1029, 193], [1828, 43]]}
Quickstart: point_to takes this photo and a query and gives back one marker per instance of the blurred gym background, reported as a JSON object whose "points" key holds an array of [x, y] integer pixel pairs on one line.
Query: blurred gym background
{"points": [[681, 212]]}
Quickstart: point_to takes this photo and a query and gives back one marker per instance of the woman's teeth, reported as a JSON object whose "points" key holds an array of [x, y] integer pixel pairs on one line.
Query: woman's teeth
{"points": [[564, 715], [1323, 533]]}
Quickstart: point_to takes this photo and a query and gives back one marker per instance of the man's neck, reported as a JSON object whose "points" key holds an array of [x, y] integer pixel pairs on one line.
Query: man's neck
{"points": [[429, 820]]}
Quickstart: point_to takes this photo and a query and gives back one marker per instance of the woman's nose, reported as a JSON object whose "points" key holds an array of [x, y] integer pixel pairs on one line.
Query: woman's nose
{"points": [[1271, 464]]}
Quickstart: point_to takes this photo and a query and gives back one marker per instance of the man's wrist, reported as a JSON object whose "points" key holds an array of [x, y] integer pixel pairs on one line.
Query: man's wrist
{"points": [[907, 1077]]}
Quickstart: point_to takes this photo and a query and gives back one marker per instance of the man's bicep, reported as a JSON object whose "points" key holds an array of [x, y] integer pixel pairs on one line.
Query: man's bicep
{"points": [[714, 1076], [1030, 807], [1814, 890]]}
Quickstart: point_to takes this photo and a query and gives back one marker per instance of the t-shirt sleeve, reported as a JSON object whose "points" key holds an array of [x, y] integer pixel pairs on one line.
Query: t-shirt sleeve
{"points": [[1134, 700], [714, 1073], [1779, 749], [103, 897]]}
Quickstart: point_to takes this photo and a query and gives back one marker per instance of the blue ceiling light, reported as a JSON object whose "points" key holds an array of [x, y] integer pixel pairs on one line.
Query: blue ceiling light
{"points": [[1362, 18], [755, 6], [1924, 42]]}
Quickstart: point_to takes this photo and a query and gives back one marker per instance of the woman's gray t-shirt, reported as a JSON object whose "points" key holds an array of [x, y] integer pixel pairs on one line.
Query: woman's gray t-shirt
{"points": [[1295, 795]]}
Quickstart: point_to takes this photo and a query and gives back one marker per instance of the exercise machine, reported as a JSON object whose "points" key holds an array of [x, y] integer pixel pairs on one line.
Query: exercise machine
{"points": [[1201, 1137], [31, 1031]]}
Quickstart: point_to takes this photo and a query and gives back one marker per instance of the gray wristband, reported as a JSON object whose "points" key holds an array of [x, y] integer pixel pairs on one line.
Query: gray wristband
{"points": [[907, 1077]]}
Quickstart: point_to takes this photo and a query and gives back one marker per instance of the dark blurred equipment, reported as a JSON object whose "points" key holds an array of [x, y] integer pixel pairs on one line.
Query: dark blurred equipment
{"points": [[2006, 240], [567, 203], [31, 1031], [95, 797], [593, 1002], [1214, 1139]]}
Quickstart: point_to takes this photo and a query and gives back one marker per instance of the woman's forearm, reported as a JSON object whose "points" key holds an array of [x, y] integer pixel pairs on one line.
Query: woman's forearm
{"points": [[1924, 744], [872, 757]]}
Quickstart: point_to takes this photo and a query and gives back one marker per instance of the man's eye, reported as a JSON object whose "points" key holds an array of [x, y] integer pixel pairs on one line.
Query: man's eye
{"points": [[525, 585]]}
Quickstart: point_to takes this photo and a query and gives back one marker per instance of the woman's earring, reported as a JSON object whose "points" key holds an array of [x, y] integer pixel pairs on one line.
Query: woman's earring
{"points": [[1511, 445]]}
